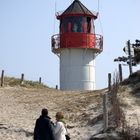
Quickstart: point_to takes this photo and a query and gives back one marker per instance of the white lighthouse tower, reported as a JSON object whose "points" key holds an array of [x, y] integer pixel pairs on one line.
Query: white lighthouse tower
{"points": [[77, 46]]}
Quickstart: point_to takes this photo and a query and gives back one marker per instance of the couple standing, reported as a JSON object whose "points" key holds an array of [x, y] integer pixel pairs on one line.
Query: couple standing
{"points": [[46, 130]]}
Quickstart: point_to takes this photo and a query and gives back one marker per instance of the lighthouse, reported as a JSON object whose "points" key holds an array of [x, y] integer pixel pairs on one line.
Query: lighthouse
{"points": [[77, 46]]}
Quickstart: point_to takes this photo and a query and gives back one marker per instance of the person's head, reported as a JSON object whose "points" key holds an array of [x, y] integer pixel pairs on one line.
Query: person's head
{"points": [[44, 112], [59, 116]]}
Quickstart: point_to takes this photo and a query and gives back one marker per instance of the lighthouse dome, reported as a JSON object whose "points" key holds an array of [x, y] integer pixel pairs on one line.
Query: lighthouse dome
{"points": [[77, 8]]}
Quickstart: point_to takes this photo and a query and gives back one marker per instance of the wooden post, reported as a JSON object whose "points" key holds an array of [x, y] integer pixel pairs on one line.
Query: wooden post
{"points": [[120, 73], [2, 78], [22, 79], [130, 57], [109, 82], [39, 80], [105, 111], [56, 86]]}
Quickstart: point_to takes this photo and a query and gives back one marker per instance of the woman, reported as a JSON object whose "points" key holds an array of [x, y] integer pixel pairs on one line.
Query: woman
{"points": [[60, 130]]}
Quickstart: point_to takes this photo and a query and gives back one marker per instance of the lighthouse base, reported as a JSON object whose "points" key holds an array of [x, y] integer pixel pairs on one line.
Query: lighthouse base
{"points": [[77, 69]]}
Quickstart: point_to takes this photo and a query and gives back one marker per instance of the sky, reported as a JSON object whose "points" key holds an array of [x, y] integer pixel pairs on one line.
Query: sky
{"points": [[26, 27]]}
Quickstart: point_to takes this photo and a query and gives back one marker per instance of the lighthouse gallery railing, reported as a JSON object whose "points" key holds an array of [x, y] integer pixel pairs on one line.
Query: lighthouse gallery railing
{"points": [[56, 43]]}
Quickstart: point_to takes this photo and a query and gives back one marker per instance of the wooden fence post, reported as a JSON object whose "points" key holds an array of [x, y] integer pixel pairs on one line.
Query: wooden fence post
{"points": [[109, 82], [105, 111], [2, 78], [120, 73], [22, 79], [39, 80]]}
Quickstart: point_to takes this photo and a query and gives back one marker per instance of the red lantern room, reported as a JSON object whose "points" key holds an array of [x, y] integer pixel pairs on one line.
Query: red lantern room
{"points": [[77, 29]]}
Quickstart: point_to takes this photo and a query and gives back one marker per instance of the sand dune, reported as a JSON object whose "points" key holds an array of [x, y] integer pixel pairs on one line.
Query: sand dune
{"points": [[20, 107]]}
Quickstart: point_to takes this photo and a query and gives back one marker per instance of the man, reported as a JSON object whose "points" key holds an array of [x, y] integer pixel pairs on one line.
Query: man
{"points": [[43, 128]]}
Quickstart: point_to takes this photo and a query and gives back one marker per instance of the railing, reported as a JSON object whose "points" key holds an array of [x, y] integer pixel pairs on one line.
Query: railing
{"points": [[98, 43], [55, 42]]}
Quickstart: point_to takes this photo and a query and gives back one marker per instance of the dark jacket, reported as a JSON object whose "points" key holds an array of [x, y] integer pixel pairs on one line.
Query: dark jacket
{"points": [[43, 129]]}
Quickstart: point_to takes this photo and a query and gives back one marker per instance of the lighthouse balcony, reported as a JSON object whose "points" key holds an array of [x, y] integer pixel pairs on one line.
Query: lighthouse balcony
{"points": [[77, 40]]}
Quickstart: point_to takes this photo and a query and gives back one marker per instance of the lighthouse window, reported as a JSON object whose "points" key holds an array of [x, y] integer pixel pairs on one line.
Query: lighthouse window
{"points": [[77, 24], [74, 27], [89, 25], [64, 25], [92, 27], [71, 24]]}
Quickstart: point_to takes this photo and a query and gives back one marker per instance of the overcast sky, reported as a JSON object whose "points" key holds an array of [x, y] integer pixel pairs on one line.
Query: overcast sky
{"points": [[26, 27]]}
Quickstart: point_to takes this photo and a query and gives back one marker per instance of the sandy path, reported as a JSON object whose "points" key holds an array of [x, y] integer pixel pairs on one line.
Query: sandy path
{"points": [[20, 107]]}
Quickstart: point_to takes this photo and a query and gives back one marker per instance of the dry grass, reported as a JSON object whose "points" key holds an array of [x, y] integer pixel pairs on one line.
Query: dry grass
{"points": [[11, 81]]}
